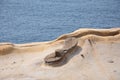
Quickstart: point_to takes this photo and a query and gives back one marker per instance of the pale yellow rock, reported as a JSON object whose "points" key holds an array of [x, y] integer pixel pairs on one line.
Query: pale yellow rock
{"points": [[97, 57]]}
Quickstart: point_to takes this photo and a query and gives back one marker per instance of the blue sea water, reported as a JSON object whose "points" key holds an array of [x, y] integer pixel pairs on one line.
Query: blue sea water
{"points": [[23, 21]]}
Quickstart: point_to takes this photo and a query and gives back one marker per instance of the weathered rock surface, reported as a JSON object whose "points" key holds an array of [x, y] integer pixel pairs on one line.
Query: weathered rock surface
{"points": [[95, 56], [56, 57]]}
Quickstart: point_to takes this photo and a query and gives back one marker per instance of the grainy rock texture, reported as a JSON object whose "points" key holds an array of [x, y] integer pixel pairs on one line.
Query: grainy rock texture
{"points": [[96, 57]]}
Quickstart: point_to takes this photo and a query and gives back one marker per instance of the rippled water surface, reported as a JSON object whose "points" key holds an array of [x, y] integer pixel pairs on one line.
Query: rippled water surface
{"points": [[23, 21]]}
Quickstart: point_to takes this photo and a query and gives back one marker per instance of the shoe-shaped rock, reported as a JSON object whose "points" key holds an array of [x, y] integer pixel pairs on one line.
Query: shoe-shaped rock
{"points": [[59, 54]]}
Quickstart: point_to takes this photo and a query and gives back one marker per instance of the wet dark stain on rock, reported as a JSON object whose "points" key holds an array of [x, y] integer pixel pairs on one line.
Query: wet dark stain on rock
{"points": [[90, 42], [114, 71], [82, 56], [111, 61], [14, 62]]}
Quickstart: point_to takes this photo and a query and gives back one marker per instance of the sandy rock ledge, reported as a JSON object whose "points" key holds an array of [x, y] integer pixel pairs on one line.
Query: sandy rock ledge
{"points": [[96, 57]]}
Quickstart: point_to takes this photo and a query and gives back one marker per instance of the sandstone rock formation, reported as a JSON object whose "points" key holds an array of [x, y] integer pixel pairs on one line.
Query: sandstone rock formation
{"points": [[94, 55], [56, 57]]}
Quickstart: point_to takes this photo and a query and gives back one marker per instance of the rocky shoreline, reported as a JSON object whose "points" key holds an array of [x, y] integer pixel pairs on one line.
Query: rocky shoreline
{"points": [[96, 57]]}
